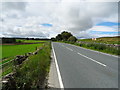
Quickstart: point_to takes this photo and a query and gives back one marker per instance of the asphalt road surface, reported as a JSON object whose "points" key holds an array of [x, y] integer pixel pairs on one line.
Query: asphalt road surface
{"points": [[83, 68]]}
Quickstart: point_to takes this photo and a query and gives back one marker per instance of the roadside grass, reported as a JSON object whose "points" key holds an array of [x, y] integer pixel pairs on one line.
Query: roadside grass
{"points": [[33, 71], [102, 48], [13, 50]]}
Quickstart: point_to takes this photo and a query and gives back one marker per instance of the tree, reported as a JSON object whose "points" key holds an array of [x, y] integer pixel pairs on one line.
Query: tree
{"points": [[59, 37], [53, 39], [72, 39], [65, 35], [8, 40]]}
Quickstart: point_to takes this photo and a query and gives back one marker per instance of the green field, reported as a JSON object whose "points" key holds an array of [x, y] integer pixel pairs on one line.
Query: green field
{"points": [[29, 41], [106, 40], [13, 50], [10, 51]]}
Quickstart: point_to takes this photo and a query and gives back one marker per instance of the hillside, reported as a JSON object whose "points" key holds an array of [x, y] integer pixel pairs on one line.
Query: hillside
{"points": [[106, 40]]}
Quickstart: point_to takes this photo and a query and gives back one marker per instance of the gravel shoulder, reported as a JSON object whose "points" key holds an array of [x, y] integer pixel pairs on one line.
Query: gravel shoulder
{"points": [[53, 81]]}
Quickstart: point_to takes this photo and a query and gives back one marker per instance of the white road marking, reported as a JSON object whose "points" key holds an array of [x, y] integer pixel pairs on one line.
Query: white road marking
{"points": [[92, 60], [58, 71], [95, 51], [69, 49]]}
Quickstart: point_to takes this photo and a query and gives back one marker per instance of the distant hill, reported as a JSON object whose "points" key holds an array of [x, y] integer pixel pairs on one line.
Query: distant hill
{"points": [[106, 40]]}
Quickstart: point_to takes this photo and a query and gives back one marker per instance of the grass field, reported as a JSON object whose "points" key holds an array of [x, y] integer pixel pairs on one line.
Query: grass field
{"points": [[29, 41], [13, 50], [10, 51], [106, 40]]}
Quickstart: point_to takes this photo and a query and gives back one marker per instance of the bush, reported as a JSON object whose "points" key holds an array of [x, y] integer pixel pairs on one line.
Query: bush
{"points": [[19, 41], [53, 39], [72, 39], [113, 50], [77, 44], [83, 45], [101, 47], [90, 45]]}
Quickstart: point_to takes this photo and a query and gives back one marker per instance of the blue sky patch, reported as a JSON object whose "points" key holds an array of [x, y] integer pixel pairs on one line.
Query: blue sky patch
{"points": [[108, 24], [46, 25]]}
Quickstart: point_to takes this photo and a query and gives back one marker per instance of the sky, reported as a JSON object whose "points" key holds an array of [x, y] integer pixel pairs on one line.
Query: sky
{"points": [[47, 18]]}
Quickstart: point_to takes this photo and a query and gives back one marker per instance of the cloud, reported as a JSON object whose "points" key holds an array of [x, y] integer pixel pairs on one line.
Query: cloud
{"points": [[82, 16], [12, 10], [99, 31], [14, 6], [29, 19], [104, 29]]}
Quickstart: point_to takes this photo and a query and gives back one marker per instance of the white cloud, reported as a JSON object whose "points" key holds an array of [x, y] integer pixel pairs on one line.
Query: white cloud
{"points": [[104, 29], [82, 16], [24, 18], [13, 5]]}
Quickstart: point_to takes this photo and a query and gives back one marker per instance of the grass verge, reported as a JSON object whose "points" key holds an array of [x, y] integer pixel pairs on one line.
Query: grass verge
{"points": [[33, 71]]}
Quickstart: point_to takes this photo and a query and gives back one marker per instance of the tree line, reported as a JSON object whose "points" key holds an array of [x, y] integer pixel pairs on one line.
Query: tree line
{"points": [[13, 39], [65, 36]]}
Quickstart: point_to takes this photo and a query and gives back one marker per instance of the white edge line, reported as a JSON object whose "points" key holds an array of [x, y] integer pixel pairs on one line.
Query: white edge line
{"points": [[58, 71], [93, 60], [95, 51]]}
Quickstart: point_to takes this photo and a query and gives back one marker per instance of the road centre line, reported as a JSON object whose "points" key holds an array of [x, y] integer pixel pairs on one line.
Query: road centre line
{"points": [[93, 60], [88, 58], [69, 49]]}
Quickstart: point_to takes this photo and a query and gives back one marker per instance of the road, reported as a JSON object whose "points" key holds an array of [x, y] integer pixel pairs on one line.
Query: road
{"points": [[83, 68]]}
